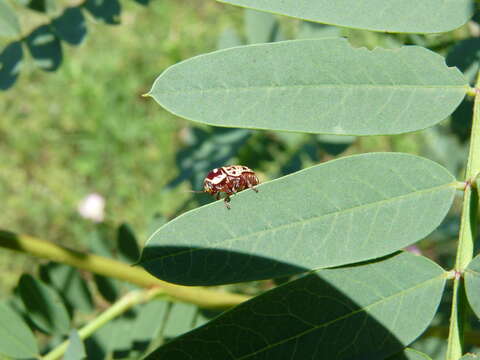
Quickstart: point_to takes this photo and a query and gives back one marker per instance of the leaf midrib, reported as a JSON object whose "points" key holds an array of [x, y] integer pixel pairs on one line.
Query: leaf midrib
{"points": [[295, 223], [323, 86]]}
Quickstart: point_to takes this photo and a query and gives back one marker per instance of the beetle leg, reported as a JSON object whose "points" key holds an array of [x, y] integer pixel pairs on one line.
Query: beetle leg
{"points": [[226, 201], [250, 186], [218, 196]]}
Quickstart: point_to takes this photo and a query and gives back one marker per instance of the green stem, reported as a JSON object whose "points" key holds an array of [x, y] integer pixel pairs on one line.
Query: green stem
{"points": [[466, 238], [103, 266], [128, 301]]}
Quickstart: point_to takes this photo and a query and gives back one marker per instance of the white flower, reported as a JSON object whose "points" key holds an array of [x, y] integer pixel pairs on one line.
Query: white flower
{"points": [[92, 207], [413, 249]]}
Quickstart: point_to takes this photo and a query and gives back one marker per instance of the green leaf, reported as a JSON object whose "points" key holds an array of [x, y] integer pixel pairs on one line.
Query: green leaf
{"points": [[259, 26], [45, 48], [9, 24], [470, 357], [127, 245], [472, 284], [316, 86], [76, 349], [410, 354], [16, 338], [343, 211], [44, 306], [357, 312], [71, 26], [68, 282], [107, 11], [405, 16], [11, 59]]}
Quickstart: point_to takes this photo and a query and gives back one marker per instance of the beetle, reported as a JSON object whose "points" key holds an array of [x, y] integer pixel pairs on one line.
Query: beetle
{"points": [[229, 180]]}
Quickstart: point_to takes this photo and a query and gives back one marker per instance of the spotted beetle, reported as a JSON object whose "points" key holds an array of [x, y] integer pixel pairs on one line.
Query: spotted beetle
{"points": [[229, 180]]}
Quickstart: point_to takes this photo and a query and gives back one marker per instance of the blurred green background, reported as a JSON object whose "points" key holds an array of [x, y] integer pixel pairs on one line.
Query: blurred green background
{"points": [[86, 129]]}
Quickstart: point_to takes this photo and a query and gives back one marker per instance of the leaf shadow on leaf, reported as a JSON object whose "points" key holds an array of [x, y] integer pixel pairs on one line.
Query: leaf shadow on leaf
{"points": [[312, 319], [10, 63], [173, 264], [45, 48], [107, 11], [71, 26]]}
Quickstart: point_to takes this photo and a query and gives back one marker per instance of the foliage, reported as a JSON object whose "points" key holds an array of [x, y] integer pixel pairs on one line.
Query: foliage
{"points": [[331, 234], [44, 42]]}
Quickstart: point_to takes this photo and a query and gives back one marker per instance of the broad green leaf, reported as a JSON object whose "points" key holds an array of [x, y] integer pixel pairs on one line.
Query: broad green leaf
{"points": [[472, 284], [9, 24], [259, 26], [44, 306], [470, 357], [343, 211], [405, 16], [410, 354], [16, 338], [316, 86], [76, 349], [358, 312]]}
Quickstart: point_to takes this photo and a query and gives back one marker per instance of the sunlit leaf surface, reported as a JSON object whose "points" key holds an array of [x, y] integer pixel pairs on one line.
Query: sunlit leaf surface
{"points": [[344, 211], [410, 16], [316, 86]]}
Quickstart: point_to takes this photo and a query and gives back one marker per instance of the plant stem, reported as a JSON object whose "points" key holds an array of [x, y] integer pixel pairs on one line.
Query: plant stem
{"points": [[467, 235], [118, 270], [128, 301]]}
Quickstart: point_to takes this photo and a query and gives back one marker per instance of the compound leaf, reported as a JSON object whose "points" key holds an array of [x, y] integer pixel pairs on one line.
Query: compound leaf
{"points": [[405, 16], [45, 48], [44, 306], [344, 211], [356, 312], [317, 86]]}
